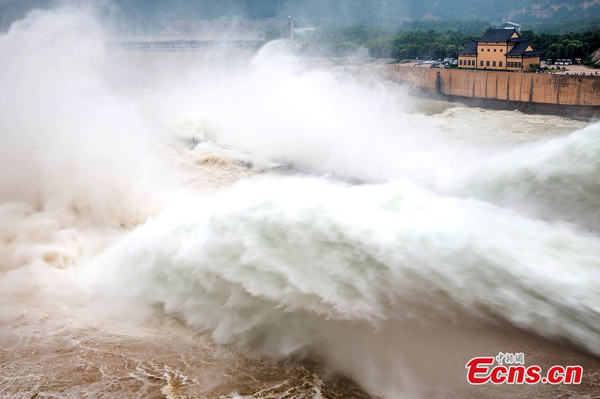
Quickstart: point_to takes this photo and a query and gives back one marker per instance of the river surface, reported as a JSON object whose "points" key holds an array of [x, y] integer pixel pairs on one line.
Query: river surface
{"points": [[194, 224]]}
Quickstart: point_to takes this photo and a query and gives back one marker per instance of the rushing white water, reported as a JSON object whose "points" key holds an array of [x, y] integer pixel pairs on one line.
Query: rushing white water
{"points": [[274, 270], [555, 180], [480, 235]]}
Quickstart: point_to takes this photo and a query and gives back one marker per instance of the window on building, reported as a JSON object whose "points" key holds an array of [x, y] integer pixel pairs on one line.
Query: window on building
{"points": [[481, 49], [501, 50], [494, 50], [488, 50], [494, 63], [500, 64], [487, 63], [480, 63]]}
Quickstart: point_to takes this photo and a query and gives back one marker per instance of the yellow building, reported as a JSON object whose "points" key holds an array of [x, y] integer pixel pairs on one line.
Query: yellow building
{"points": [[499, 49]]}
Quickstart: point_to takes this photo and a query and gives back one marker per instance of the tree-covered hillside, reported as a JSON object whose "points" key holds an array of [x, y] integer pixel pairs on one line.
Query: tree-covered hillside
{"points": [[432, 44], [153, 15]]}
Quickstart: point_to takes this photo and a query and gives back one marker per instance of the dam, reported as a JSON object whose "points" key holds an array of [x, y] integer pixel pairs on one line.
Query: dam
{"points": [[568, 95]]}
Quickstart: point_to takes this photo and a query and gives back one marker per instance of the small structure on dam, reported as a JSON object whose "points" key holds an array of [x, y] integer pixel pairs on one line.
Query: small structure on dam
{"points": [[500, 49]]}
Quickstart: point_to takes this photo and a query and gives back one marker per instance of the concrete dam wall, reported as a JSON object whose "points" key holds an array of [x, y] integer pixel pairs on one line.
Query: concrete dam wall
{"points": [[576, 95]]}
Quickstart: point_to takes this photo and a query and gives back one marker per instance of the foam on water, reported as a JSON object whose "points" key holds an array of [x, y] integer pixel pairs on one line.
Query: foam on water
{"points": [[556, 180], [277, 270]]}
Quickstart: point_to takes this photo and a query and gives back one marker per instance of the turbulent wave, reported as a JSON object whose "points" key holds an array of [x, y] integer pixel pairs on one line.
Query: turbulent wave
{"points": [[556, 180], [273, 270], [67, 143]]}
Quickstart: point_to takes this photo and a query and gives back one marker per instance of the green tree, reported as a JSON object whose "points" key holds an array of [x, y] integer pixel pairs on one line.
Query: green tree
{"points": [[450, 51]]}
